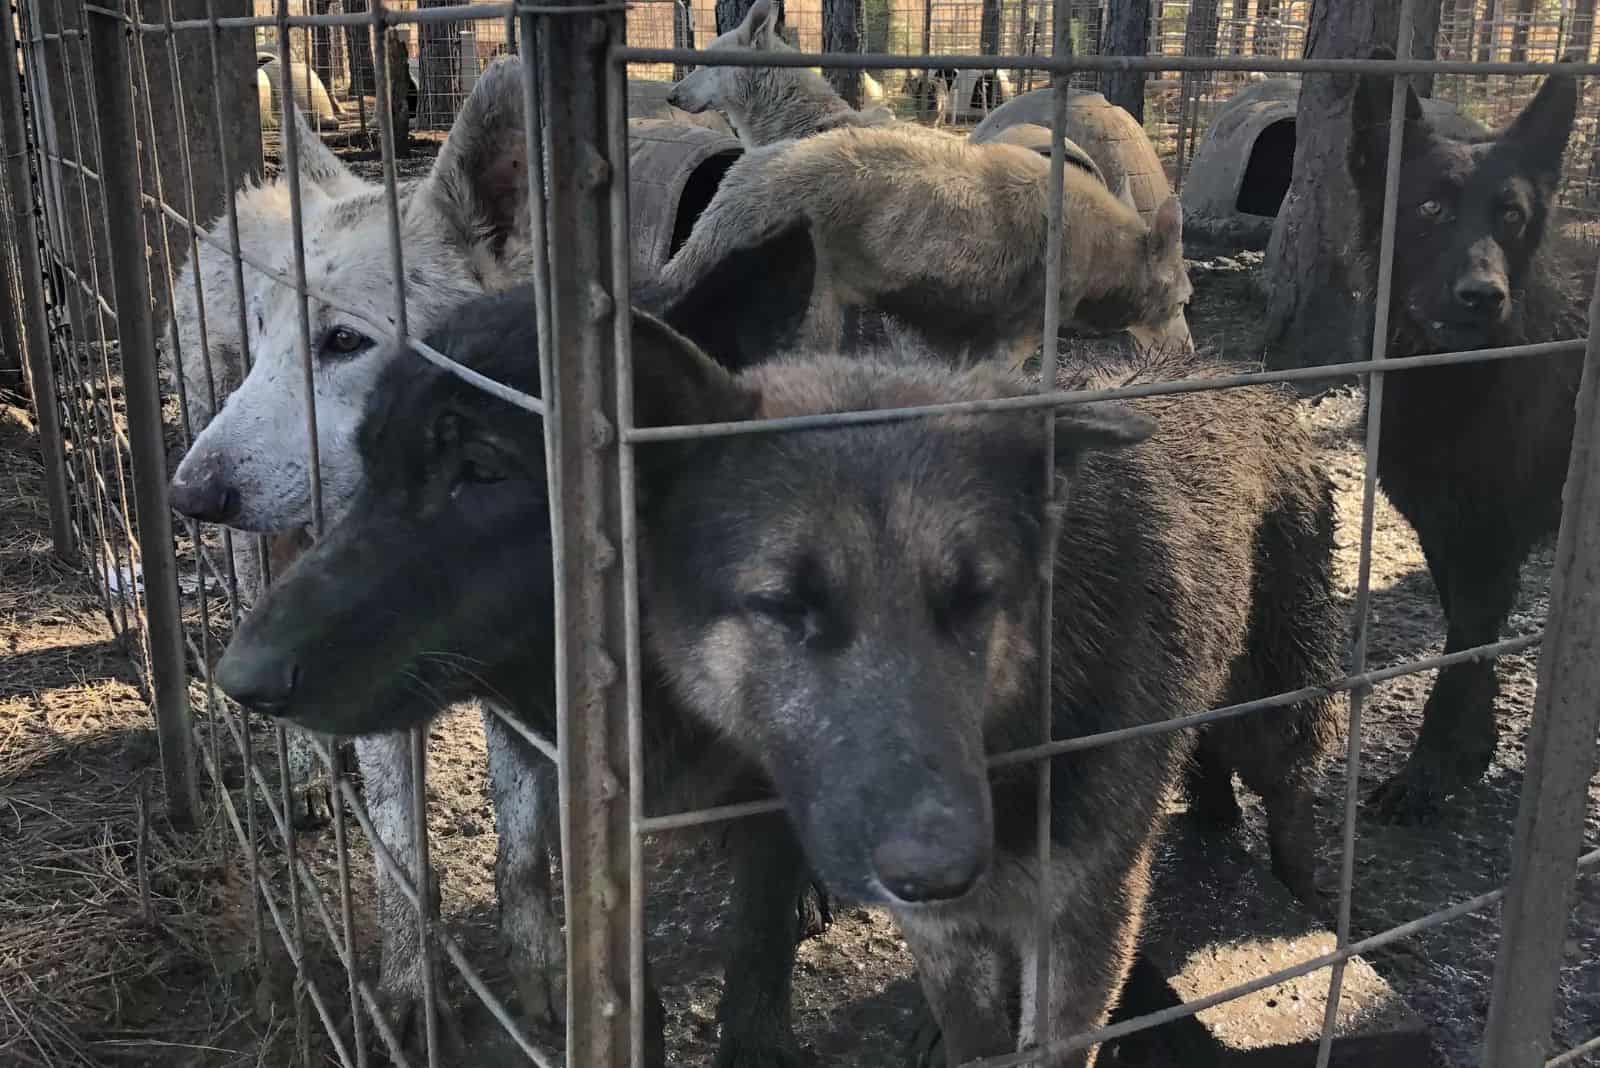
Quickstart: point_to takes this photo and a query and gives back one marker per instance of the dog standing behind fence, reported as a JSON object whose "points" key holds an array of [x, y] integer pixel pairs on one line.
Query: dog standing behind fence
{"points": [[463, 231], [1474, 456], [437, 586], [858, 609], [768, 104]]}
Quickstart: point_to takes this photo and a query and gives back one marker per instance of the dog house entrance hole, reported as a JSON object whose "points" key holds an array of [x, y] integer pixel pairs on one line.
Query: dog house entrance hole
{"points": [[697, 193], [1266, 175]]}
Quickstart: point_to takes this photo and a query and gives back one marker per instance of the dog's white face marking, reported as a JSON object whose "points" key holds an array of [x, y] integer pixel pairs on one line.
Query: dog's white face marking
{"points": [[463, 231]]}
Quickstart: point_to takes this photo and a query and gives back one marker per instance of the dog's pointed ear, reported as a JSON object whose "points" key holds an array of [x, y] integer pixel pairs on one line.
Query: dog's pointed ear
{"points": [[1538, 137], [759, 22], [751, 303], [316, 163], [676, 384], [1166, 229], [1369, 124], [479, 181], [1101, 427]]}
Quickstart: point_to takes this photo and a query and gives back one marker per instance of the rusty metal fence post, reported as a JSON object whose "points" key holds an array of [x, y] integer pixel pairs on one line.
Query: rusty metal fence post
{"points": [[580, 429], [1561, 757], [34, 329], [109, 45]]}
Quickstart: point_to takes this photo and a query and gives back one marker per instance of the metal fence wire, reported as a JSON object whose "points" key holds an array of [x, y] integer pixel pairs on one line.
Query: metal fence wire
{"points": [[122, 148]]}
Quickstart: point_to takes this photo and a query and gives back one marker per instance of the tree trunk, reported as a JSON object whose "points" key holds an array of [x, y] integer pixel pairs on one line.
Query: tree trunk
{"points": [[439, 71], [989, 28], [1486, 34], [841, 32], [321, 44], [1199, 39], [1582, 34], [1519, 31], [358, 40], [1313, 313], [1426, 43], [1128, 35]]}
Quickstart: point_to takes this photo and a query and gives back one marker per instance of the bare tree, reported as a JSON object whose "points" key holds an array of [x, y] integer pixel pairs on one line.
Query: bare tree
{"points": [[1128, 35], [1199, 39], [842, 23], [1312, 311], [1521, 24], [439, 71], [1581, 34], [1425, 43]]}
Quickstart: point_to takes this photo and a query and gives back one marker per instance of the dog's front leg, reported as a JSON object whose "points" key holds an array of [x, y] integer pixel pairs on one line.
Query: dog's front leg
{"points": [[969, 984], [385, 761], [1095, 926], [523, 782], [769, 875]]}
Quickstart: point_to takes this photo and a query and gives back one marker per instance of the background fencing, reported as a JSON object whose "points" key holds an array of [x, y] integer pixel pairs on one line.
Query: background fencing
{"points": [[102, 133]]}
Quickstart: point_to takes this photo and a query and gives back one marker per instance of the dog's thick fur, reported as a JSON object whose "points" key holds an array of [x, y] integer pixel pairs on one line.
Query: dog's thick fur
{"points": [[1473, 456], [463, 230], [430, 591], [948, 238], [370, 630], [857, 609], [768, 104]]}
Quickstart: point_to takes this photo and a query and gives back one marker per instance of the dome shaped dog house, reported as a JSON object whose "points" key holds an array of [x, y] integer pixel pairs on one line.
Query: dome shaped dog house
{"points": [[1240, 174], [674, 169], [1110, 136]]}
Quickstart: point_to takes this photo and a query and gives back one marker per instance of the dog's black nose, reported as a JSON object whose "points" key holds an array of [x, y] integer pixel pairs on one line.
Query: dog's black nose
{"points": [[932, 854], [1480, 293], [207, 497], [260, 682]]}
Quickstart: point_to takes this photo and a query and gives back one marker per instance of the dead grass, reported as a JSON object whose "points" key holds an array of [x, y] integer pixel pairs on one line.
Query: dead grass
{"points": [[110, 923]]}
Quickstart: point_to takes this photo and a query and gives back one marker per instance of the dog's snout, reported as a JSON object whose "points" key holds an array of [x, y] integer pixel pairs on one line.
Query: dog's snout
{"points": [[1481, 293], [205, 495], [672, 96], [260, 682], [934, 852]]}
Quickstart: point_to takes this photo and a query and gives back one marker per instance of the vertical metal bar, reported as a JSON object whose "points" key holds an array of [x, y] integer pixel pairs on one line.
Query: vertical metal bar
{"points": [[34, 326], [580, 432], [1043, 1018], [418, 743], [617, 122], [1369, 490], [119, 190], [230, 205], [1561, 757], [10, 295], [418, 751]]}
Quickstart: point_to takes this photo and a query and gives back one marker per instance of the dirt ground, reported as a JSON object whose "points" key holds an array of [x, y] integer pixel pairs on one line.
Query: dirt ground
{"points": [[96, 971]]}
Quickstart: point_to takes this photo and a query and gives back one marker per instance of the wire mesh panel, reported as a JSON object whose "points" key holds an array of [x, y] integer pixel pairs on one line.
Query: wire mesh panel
{"points": [[191, 314]]}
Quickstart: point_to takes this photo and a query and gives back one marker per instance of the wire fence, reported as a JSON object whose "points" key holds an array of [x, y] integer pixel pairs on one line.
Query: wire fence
{"points": [[121, 118]]}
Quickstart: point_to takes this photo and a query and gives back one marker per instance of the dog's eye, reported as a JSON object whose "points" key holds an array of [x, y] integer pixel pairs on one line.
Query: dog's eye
{"points": [[1430, 209], [965, 599], [796, 615], [481, 464], [343, 341], [1512, 216]]}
